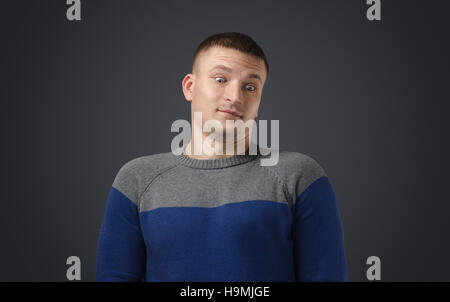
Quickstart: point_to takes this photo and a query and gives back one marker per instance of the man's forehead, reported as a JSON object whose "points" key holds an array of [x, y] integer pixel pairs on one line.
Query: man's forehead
{"points": [[228, 58]]}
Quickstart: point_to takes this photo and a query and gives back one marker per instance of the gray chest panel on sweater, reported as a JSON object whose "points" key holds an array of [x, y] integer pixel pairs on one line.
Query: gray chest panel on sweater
{"points": [[182, 186], [166, 180]]}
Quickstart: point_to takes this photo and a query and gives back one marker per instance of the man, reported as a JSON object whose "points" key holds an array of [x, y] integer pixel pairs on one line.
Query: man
{"points": [[226, 84], [222, 217]]}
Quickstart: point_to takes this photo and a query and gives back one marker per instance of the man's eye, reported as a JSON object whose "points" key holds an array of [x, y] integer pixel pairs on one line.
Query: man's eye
{"points": [[220, 78], [252, 88]]}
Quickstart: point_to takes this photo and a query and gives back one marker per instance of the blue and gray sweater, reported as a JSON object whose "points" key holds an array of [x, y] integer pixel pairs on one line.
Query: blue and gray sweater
{"points": [[175, 218]]}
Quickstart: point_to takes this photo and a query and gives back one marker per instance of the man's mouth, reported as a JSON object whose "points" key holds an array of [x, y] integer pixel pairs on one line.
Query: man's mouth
{"points": [[231, 113]]}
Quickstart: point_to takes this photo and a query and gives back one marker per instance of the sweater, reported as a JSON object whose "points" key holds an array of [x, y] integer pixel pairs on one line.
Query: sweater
{"points": [[174, 218]]}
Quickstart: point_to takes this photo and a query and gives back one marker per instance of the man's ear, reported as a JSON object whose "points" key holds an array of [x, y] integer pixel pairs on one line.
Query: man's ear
{"points": [[188, 85]]}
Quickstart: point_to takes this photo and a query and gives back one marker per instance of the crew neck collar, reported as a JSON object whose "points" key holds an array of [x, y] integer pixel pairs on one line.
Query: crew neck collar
{"points": [[218, 163]]}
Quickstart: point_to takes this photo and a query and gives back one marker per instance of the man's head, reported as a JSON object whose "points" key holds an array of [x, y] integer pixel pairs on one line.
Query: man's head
{"points": [[228, 74]]}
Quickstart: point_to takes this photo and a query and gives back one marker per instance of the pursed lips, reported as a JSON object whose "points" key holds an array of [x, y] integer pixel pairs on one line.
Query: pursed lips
{"points": [[231, 112]]}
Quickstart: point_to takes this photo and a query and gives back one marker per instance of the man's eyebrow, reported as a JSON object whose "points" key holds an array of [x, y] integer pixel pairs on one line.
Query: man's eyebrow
{"points": [[255, 76], [250, 76], [221, 67]]}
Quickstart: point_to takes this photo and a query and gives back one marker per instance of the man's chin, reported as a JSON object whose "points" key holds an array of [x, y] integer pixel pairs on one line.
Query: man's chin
{"points": [[233, 125]]}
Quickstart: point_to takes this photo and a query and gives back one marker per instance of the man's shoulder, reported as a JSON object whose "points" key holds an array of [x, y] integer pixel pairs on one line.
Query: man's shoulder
{"points": [[297, 170], [292, 163], [134, 175], [153, 161]]}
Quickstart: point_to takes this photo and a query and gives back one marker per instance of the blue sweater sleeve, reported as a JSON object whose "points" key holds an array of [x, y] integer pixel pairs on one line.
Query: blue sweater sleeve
{"points": [[121, 248], [318, 235]]}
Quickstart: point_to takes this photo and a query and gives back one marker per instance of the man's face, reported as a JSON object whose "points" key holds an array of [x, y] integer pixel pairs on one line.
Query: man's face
{"points": [[225, 79]]}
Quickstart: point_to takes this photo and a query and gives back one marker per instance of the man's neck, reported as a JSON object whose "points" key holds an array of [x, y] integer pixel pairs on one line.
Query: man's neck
{"points": [[190, 150]]}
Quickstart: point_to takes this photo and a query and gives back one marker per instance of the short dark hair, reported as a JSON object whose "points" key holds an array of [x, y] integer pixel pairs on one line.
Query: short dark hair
{"points": [[233, 40]]}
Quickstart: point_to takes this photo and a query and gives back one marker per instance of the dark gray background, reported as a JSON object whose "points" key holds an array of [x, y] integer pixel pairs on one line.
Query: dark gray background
{"points": [[367, 100]]}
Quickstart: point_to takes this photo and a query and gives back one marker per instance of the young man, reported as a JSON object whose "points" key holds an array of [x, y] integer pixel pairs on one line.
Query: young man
{"points": [[200, 217]]}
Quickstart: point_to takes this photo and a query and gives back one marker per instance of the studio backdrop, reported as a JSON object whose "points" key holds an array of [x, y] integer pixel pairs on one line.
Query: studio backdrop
{"points": [[361, 89]]}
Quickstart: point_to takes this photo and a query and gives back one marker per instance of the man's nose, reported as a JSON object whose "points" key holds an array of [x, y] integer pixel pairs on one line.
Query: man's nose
{"points": [[234, 93]]}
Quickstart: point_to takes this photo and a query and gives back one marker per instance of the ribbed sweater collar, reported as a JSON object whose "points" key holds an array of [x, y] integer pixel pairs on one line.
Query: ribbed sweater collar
{"points": [[218, 163]]}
